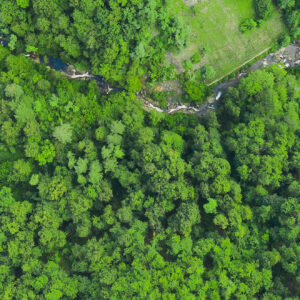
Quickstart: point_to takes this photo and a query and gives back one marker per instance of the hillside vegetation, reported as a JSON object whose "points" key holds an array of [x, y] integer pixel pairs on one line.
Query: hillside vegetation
{"points": [[114, 39], [101, 200]]}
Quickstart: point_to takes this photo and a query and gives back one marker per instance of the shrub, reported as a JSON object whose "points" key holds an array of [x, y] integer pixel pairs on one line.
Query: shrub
{"points": [[31, 49], [260, 23], [195, 91], [196, 58], [247, 25], [163, 104], [188, 64], [12, 42], [264, 8], [206, 50], [284, 40], [292, 19], [208, 72], [286, 4]]}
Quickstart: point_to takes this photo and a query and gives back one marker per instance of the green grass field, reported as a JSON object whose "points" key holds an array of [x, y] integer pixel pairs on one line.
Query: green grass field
{"points": [[215, 23]]}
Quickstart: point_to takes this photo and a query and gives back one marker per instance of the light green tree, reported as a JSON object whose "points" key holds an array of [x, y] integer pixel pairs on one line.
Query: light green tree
{"points": [[63, 133]]}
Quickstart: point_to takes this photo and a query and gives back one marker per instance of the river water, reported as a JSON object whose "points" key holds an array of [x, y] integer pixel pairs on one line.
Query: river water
{"points": [[287, 57], [58, 65]]}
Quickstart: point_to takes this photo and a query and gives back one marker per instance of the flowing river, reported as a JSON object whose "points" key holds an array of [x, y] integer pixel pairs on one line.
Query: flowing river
{"points": [[286, 57]]}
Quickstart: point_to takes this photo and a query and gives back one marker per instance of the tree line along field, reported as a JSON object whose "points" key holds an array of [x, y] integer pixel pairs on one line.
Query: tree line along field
{"points": [[215, 25]]}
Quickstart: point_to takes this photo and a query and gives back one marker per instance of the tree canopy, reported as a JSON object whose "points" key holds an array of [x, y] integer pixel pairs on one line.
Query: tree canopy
{"points": [[119, 40], [102, 200]]}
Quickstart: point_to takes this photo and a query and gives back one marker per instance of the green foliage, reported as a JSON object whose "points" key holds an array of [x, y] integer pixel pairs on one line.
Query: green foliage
{"points": [[12, 42], [162, 97], [107, 201], [114, 40], [186, 217], [292, 19], [221, 221], [46, 153], [284, 40], [248, 25], [34, 180], [264, 8], [63, 133], [188, 65], [14, 91], [260, 23], [21, 170], [208, 72], [31, 49], [286, 4], [210, 207], [196, 58], [23, 3], [195, 91]]}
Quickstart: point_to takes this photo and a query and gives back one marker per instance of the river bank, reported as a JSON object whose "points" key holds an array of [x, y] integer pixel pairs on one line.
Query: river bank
{"points": [[286, 57]]}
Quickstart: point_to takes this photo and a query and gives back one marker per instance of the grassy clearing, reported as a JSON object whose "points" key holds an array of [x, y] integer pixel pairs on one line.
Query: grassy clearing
{"points": [[215, 23]]}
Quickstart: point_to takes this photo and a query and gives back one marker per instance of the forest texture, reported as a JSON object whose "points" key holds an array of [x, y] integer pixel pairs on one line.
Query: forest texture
{"points": [[120, 40], [125, 40], [101, 200]]}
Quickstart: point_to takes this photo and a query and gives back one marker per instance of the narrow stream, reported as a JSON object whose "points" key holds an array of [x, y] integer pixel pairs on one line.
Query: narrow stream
{"points": [[288, 57], [285, 57]]}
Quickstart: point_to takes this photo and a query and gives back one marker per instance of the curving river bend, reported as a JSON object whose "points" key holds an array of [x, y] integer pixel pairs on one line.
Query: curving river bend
{"points": [[287, 57]]}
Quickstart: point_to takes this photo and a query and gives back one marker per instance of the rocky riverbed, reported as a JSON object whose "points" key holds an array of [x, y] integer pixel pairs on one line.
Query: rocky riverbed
{"points": [[286, 57]]}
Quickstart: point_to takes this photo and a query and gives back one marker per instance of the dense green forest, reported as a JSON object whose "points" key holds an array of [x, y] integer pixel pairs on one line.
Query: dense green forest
{"points": [[118, 39], [126, 41], [102, 200]]}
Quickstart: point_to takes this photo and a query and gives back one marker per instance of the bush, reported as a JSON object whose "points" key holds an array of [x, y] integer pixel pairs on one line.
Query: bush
{"points": [[263, 8], [284, 40], [286, 4], [31, 49], [260, 23], [208, 72], [195, 91], [247, 25], [188, 64], [12, 42], [196, 58], [206, 50], [161, 97], [177, 33], [292, 20]]}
